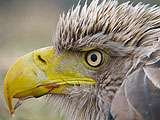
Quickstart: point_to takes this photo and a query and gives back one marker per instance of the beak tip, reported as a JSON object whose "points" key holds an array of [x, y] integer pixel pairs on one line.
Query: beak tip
{"points": [[8, 99], [12, 114]]}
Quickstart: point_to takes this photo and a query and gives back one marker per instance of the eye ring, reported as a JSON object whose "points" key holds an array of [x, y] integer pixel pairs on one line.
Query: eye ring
{"points": [[94, 58]]}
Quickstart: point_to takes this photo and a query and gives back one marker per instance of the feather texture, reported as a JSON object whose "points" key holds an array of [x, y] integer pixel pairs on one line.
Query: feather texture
{"points": [[127, 34]]}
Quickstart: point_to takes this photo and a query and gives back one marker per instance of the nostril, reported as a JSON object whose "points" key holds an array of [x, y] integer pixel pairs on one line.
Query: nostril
{"points": [[41, 59]]}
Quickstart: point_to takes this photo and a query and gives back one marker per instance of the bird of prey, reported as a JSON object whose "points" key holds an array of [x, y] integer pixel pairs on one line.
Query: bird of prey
{"points": [[104, 64]]}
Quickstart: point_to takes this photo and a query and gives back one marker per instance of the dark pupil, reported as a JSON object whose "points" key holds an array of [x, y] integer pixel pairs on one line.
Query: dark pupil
{"points": [[93, 57]]}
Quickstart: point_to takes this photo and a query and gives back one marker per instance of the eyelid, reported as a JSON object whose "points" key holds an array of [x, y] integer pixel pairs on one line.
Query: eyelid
{"points": [[88, 49]]}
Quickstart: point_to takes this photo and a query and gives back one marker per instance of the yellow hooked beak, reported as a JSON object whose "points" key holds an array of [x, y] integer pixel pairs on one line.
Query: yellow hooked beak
{"points": [[43, 72]]}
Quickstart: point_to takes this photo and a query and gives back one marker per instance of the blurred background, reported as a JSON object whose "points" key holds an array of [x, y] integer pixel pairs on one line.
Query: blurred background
{"points": [[26, 25]]}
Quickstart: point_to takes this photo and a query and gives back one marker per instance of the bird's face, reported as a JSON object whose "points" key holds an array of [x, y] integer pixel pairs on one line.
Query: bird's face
{"points": [[49, 71], [92, 68]]}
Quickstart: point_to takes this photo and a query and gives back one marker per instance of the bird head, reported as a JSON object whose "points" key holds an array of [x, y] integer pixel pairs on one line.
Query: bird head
{"points": [[93, 50]]}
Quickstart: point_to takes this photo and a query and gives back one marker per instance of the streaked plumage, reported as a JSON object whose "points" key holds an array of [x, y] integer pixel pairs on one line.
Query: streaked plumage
{"points": [[127, 34]]}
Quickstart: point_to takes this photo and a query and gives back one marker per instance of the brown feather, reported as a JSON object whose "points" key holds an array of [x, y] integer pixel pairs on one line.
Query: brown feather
{"points": [[127, 34]]}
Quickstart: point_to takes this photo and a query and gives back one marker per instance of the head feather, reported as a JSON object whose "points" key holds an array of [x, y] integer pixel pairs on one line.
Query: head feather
{"points": [[131, 26]]}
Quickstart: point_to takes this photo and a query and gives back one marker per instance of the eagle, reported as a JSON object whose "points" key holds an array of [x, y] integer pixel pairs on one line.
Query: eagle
{"points": [[104, 64]]}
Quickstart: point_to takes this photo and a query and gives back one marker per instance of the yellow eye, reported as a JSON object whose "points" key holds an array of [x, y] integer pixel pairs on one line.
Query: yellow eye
{"points": [[94, 58]]}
